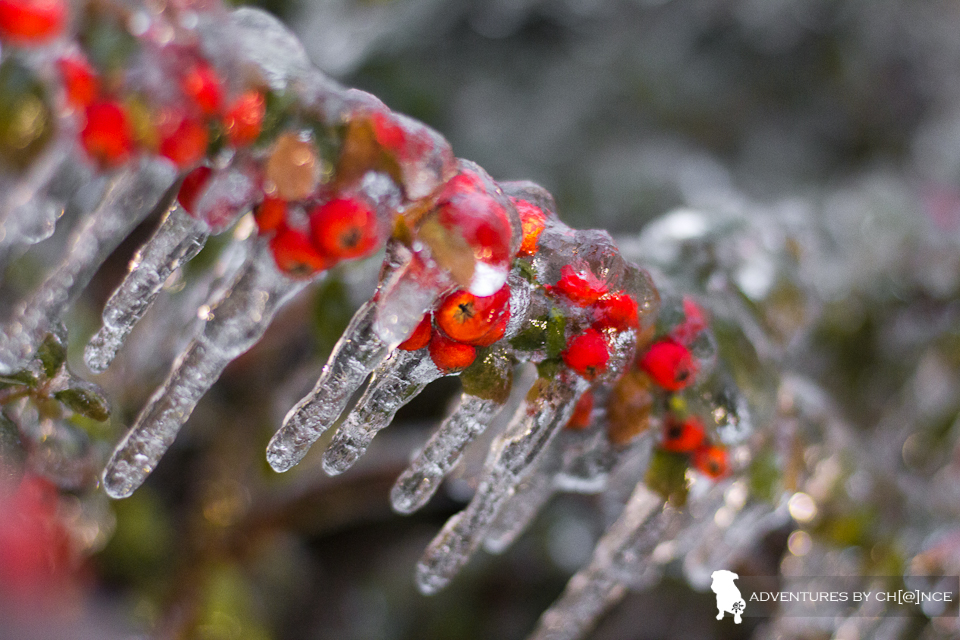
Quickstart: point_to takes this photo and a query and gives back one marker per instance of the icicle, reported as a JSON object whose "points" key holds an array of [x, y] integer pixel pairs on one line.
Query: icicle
{"points": [[234, 324], [28, 210], [355, 355], [131, 196], [521, 508], [594, 589], [547, 409], [395, 383], [421, 479], [179, 238]]}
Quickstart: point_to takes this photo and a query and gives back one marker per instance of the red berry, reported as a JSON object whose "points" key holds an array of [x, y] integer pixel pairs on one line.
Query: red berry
{"points": [[295, 255], [79, 80], [192, 185], [270, 214], [469, 318], [693, 324], [532, 221], [581, 417], [587, 354], [682, 436], [407, 143], [420, 336], [616, 311], [711, 460], [466, 208], [183, 139], [202, 85], [244, 119], [496, 333], [106, 136], [451, 356], [670, 364], [580, 286], [28, 22], [345, 228]]}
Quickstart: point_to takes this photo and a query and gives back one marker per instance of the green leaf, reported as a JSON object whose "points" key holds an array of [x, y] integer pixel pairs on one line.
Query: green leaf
{"points": [[85, 400], [489, 377], [23, 378], [556, 333], [51, 355], [533, 337], [667, 475]]}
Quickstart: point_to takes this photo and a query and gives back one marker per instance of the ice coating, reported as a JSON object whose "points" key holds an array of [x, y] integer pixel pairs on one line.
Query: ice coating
{"points": [[178, 239], [234, 324]]}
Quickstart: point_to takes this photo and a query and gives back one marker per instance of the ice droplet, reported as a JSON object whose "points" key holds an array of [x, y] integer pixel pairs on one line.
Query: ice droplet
{"points": [[178, 239], [237, 320]]}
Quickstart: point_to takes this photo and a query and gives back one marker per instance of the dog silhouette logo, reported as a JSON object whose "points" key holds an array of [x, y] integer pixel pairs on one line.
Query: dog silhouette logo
{"points": [[729, 599]]}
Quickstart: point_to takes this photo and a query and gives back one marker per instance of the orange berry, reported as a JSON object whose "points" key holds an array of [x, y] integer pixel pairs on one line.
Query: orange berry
{"points": [[295, 255], [587, 354], [581, 417], [345, 228], [203, 86], [469, 318], [270, 214], [244, 119], [711, 460], [191, 187], [106, 136], [497, 332], [532, 221], [79, 80], [420, 336], [670, 364], [451, 356], [28, 22], [682, 436]]}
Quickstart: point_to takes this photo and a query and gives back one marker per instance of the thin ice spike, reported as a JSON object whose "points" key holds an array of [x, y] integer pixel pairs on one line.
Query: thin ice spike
{"points": [[593, 590], [395, 383], [546, 410], [176, 241], [130, 198], [520, 510], [442, 452], [236, 321], [355, 355]]}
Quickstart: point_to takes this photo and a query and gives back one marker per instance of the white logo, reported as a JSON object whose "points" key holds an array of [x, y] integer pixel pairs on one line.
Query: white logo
{"points": [[729, 599]]}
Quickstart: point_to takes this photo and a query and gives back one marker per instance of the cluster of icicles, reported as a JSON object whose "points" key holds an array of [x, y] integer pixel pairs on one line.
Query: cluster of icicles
{"points": [[214, 114]]}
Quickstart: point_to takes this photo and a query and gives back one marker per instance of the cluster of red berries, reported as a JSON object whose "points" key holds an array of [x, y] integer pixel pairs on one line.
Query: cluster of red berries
{"points": [[688, 436]]}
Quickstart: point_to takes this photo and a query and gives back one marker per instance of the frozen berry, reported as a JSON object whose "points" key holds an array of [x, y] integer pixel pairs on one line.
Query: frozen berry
{"points": [[532, 221], [106, 135], [420, 336], [670, 364], [192, 185], [295, 255], [581, 417], [469, 318], [616, 311], [79, 80], [580, 286], [202, 86], [587, 354], [451, 356], [682, 436], [467, 208], [28, 22], [183, 139], [270, 214], [711, 460], [244, 119], [345, 228]]}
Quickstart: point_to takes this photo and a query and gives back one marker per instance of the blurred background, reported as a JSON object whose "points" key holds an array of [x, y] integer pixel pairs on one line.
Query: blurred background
{"points": [[847, 111]]}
